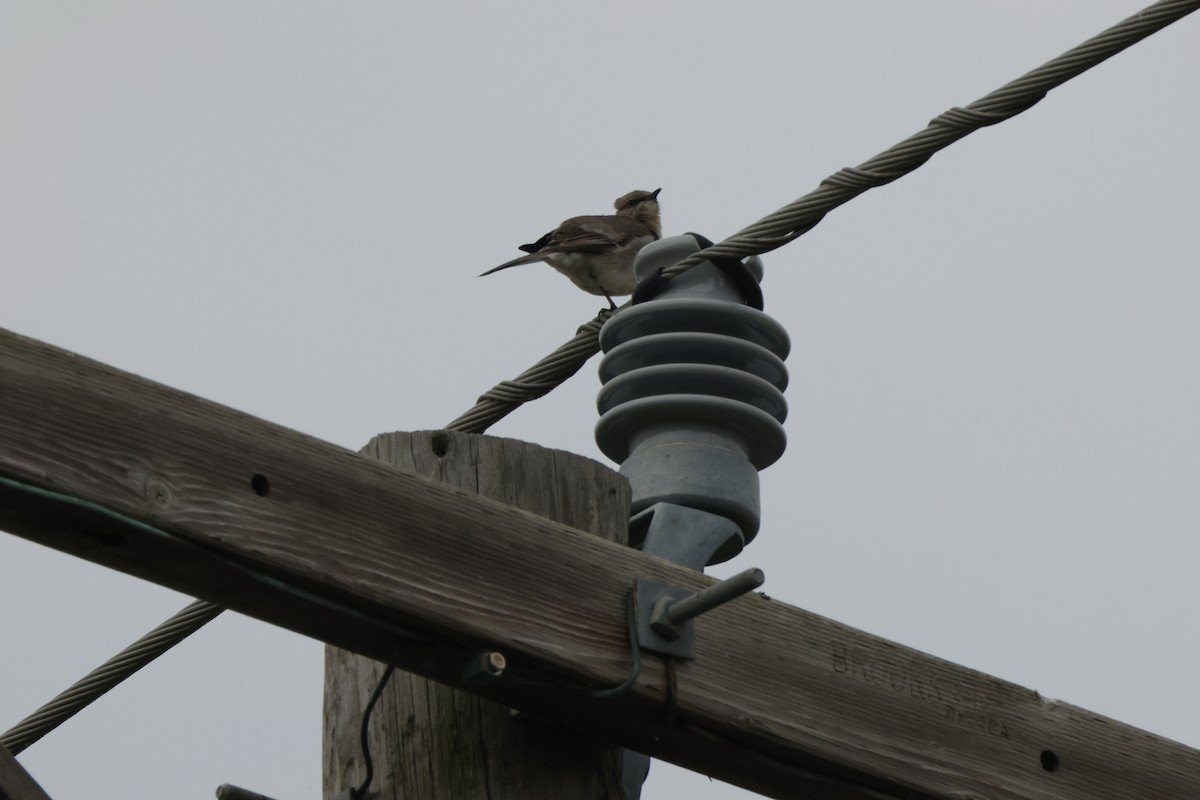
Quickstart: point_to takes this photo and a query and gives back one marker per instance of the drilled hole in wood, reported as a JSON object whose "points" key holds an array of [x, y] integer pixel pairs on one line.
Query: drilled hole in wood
{"points": [[260, 484], [440, 444], [1049, 761]]}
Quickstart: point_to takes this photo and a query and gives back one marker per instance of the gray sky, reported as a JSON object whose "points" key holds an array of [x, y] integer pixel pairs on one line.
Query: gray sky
{"points": [[994, 448]]}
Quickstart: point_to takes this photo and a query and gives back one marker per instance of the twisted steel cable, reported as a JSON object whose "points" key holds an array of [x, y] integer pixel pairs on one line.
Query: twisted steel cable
{"points": [[89, 688], [540, 379], [802, 215]]}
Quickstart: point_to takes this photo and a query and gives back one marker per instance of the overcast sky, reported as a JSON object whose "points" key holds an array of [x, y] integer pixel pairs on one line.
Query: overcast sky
{"points": [[994, 449]]}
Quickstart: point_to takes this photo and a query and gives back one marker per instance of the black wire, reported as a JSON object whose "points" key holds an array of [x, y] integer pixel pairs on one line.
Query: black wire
{"points": [[672, 690], [631, 613], [358, 793]]}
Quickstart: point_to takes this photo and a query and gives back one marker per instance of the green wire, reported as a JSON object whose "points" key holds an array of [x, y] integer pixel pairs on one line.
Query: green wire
{"points": [[79, 502], [266, 580]]}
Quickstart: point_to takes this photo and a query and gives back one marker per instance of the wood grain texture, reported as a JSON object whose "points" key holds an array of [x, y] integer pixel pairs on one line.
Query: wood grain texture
{"points": [[345, 548], [436, 742], [15, 782]]}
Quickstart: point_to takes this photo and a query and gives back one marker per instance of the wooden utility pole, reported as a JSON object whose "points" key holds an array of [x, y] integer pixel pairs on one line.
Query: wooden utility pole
{"points": [[434, 742]]}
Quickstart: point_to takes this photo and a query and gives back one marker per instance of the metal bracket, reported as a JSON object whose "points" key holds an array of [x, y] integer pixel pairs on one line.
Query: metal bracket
{"points": [[688, 536], [666, 614], [227, 791]]}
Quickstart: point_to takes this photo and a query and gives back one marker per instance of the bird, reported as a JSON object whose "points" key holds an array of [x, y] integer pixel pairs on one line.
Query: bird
{"points": [[596, 252]]}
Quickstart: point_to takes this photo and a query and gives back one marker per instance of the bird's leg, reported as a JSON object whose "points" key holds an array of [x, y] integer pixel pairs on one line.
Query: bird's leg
{"points": [[611, 304]]}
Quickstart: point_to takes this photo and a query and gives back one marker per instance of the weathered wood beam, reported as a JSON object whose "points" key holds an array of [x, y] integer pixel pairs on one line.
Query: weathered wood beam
{"points": [[344, 548], [15, 782]]}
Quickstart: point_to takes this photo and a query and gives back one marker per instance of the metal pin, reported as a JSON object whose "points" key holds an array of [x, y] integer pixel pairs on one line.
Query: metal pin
{"points": [[668, 614]]}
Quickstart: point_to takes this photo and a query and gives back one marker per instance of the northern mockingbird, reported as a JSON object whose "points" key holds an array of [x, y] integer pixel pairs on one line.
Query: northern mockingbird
{"points": [[596, 253]]}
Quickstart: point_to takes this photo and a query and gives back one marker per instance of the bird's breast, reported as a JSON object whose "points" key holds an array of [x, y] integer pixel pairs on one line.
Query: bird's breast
{"points": [[600, 273]]}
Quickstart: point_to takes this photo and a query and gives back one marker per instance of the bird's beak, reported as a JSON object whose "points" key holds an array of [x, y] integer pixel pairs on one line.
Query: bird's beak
{"points": [[654, 194]]}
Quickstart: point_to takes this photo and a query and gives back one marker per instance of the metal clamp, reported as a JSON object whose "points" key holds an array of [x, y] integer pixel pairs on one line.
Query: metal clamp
{"points": [[666, 614]]}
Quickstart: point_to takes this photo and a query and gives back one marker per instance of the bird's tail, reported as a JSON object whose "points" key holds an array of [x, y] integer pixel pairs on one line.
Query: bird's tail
{"points": [[516, 262]]}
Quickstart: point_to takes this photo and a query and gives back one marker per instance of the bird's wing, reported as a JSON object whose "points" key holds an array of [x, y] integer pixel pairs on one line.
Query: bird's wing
{"points": [[533, 247], [589, 235], [581, 235]]}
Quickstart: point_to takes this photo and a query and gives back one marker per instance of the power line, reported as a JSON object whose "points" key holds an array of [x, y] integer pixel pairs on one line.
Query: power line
{"points": [[89, 688], [540, 379], [802, 215]]}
